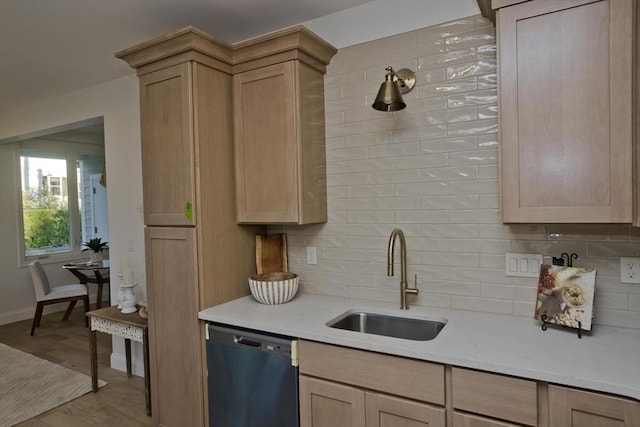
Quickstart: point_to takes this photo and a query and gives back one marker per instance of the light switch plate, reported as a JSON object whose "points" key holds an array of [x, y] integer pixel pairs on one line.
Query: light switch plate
{"points": [[523, 265]]}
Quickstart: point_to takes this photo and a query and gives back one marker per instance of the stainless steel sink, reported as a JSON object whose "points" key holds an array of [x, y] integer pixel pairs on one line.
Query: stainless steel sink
{"points": [[390, 326]]}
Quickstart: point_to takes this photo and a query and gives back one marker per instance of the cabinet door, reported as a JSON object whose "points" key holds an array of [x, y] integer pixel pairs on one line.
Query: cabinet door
{"points": [[174, 332], [565, 87], [468, 420], [327, 404], [387, 411], [495, 396], [574, 408], [166, 117], [266, 144]]}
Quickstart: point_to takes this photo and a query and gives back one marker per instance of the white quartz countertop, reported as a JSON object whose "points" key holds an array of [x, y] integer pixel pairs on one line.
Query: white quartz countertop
{"points": [[607, 359]]}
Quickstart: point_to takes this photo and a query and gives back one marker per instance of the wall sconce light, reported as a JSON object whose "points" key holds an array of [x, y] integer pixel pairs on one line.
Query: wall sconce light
{"points": [[395, 83]]}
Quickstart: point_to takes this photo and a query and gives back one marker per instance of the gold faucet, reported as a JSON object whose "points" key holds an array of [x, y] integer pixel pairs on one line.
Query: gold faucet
{"points": [[404, 290]]}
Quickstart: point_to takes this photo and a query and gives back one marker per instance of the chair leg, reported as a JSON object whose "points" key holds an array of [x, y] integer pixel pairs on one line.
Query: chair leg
{"points": [[72, 304], [36, 317], [85, 300]]}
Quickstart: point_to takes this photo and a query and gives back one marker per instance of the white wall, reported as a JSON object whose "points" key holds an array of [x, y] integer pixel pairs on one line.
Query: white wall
{"points": [[118, 103]]}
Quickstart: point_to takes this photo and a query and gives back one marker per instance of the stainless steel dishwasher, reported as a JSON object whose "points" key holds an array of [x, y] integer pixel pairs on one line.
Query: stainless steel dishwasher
{"points": [[252, 379]]}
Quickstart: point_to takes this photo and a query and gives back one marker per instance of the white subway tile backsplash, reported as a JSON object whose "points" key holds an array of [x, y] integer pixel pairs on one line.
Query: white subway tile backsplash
{"points": [[429, 104], [432, 170], [484, 186], [623, 318], [352, 153], [445, 30], [505, 291], [523, 309], [341, 79], [450, 202], [393, 150], [447, 87], [481, 246], [426, 299], [471, 69], [410, 230], [395, 203], [374, 294], [479, 37], [453, 231], [448, 145], [449, 174], [477, 216], [449, 57], [370, 217], [473, 128], [420, 133], [478, 157], [421, 161], [421, 217], [421, 189], [610, 300], [479, 97], [487, 305], [395, 176], [347, 179], [336, 217], [348, 204], [343, 129], [376, 47], [342, 104]]}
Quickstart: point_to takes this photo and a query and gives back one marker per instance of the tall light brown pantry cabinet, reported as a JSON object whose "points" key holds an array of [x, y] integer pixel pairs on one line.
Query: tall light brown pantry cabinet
{"points": [[566, 110], [196, 254]]}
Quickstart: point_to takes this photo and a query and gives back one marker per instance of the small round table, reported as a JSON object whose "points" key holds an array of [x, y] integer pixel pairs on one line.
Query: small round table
{"points": [[100, 275]]}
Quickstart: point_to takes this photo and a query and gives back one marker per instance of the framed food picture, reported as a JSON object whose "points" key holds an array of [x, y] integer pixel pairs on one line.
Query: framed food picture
{"points": [[565, 296]]}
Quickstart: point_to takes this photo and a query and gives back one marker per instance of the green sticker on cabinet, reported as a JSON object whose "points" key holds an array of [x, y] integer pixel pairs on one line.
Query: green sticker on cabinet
{"points": [[188, 211]]}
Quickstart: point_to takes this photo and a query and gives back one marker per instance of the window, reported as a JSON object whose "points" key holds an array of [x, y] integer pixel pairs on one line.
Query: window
{"points": [[58, 183], [45, 205]]}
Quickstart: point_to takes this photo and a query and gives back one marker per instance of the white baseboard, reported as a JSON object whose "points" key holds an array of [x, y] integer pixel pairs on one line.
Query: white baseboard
{"points": [[29, 312], [119, 362], [18, 315]]}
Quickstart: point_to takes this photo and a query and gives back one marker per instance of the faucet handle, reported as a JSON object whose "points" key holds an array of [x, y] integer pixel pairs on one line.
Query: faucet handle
{"points": [[414, 290]]}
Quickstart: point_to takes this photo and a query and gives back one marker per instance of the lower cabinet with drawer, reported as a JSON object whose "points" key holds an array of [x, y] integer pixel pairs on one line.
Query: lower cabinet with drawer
{"points": [[577, 408], [356, 388], [344, 387], [500, 398]]}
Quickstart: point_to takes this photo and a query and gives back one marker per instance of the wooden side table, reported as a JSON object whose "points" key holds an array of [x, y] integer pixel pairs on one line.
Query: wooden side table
{"points": [[129, 326]]}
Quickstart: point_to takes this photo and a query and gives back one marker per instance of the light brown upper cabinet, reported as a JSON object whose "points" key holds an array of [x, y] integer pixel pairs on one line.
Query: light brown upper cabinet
{"points": [[279, 137], [566, 110], [167, 146]]}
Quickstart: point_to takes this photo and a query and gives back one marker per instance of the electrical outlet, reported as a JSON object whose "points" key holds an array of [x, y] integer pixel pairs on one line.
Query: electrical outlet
{"points": [[312, 255], [630, 270]]}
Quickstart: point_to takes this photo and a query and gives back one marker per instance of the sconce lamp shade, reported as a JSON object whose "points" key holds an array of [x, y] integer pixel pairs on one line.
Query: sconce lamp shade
{"points": [[389, 96]]}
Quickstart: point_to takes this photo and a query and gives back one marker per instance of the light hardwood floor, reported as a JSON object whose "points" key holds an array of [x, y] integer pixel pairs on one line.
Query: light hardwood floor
{"points": [[119, 403]]}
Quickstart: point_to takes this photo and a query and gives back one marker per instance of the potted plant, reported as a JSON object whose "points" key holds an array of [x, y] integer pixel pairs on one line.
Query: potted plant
{"points": [[96, 246]]}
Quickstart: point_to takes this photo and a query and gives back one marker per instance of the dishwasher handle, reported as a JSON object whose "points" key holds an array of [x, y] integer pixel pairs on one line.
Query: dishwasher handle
{"points": [[242, 340]]}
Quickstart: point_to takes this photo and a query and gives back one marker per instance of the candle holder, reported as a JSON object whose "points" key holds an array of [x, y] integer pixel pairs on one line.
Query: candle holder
{"points": [[128, 299]]}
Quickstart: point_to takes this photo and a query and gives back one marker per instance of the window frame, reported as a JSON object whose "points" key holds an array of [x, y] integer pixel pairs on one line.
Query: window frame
{"points": [[72, 152]]}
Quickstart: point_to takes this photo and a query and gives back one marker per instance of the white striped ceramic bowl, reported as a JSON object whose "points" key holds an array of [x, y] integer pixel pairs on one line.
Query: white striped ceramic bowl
{"points": [[273, 288]]}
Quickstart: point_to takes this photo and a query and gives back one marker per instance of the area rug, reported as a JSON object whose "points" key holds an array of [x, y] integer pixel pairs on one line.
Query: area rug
{"points": [[30, 386]]}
